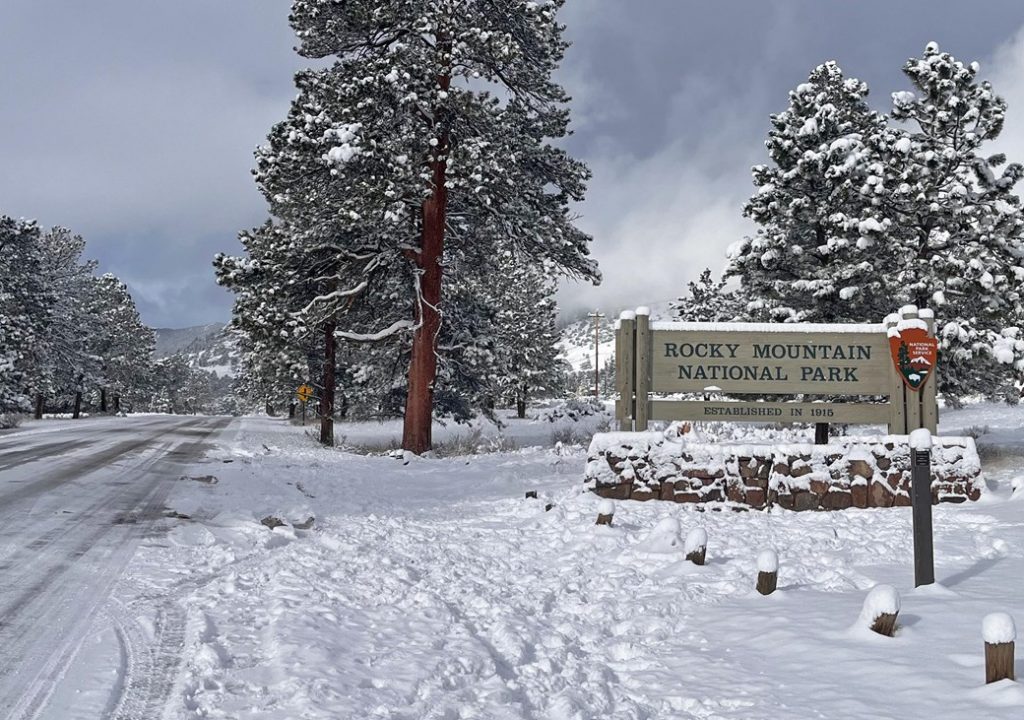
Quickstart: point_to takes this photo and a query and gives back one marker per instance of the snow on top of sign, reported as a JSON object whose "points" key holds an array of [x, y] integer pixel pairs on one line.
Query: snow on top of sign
{"points": [[627, 315], [906, 324], [643, 310], [998, 628], [908, 310], [769, 327]]}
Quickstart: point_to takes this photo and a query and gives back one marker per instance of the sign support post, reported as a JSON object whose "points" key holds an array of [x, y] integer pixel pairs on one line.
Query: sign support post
{"points": [[921, 500], [304, 393]]}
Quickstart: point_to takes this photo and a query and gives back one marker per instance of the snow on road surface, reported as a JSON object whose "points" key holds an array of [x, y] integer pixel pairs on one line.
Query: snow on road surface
{"points": [[430, 588], [75, 501]]}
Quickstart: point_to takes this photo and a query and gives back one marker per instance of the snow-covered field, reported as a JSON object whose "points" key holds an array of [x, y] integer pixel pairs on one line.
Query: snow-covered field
{"points": [[430, 588]]}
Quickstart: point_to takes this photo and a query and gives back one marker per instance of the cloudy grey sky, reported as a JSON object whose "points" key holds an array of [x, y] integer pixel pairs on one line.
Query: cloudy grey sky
{"points": [[133, 121]]}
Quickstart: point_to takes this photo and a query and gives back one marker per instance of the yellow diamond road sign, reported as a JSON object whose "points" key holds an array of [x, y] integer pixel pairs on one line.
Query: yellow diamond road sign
{"points": [[305, 392]]}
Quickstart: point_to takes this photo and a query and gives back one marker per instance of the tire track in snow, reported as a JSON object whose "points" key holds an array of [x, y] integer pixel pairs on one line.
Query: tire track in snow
{"points": [[45, 622]]}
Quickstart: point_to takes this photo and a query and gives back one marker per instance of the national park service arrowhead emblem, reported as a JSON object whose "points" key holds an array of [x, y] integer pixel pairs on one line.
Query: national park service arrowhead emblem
{"points": [[914, 353]]}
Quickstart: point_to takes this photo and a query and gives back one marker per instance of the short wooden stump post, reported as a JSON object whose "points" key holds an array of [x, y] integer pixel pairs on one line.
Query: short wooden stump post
{"points": [[696, 546], [767, 571], [880, 610], [1000, 634], [605, 512]]}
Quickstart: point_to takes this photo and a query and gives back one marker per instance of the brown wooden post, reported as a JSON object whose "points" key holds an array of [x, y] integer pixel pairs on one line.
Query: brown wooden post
{"points": [[625, 347], [913, 401], [928, 394], [881, 607], [1000, 634], [643, 368], [696, 546], [767, 572], [605, 512]]}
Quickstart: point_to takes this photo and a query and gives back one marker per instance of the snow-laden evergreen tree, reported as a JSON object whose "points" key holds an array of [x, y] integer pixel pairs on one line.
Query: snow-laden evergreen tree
{"points": [[709, 300], [528, 336], [814, 257], [123, 344], [271, 288], [433, 122], [70, 365], [24, 303], [953, 222]]}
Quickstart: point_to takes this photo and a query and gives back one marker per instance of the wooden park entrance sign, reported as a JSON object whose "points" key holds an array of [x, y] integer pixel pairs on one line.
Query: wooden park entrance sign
{"points": [[734, 369]]}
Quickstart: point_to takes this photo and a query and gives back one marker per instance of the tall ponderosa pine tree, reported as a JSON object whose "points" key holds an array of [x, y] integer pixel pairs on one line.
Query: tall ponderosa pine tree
{"points": [[432, 125], [814, 256]]}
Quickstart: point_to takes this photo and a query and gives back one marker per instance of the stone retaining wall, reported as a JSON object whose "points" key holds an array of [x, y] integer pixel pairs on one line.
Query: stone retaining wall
{"points": [[858, 472]]}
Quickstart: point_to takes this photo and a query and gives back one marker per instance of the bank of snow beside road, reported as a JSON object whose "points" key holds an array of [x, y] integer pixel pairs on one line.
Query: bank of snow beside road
{"points": [[431, 588]]}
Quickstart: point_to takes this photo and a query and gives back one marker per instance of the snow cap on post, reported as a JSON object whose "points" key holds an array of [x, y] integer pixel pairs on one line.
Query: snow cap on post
{"points": [[998, 628], [768, 561], [881, 606], [695, 540], [926, 314], [643, 310], [606, 507], [921, 439], [696, 546], [627, 315]]}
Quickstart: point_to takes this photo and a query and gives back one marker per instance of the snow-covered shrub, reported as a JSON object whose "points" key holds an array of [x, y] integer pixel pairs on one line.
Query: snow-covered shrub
{"points": [[9, 420], [574, 409]]}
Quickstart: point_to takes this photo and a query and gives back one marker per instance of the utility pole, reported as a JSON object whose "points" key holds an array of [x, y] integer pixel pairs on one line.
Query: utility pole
{"points": [[597, 315]]}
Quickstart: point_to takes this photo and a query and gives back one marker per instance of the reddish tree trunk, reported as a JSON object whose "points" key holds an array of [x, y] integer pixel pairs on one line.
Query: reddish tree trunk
{"points": [[327, 395], [419, 403]]}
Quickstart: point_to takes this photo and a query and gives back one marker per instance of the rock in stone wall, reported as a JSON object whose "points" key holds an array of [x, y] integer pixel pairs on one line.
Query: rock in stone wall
{"points": [[869, 471]]}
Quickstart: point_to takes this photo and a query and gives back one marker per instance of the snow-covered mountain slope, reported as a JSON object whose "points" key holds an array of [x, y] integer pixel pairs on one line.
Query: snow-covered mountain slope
{"points": [[173, 340], [210, 347], [577, 343]]}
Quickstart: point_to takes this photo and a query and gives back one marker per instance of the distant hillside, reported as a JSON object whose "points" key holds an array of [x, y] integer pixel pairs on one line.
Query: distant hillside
{"points": [[173, 340], [577, 343], [210, 347]]}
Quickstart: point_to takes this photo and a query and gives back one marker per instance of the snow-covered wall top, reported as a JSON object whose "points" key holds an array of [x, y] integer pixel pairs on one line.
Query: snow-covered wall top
{"points": [[862, 471]]}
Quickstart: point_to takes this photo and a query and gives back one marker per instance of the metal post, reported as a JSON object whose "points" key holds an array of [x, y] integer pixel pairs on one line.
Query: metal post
{"points": [[921, 499], [303, 413]]}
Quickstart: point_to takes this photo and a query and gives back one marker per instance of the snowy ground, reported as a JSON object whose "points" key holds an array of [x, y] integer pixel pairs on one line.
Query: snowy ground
{"points": [[432, 589]]}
